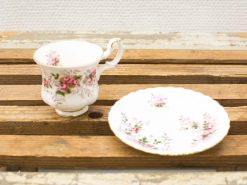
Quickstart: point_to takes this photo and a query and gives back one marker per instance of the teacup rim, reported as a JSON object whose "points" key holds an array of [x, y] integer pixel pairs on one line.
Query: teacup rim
{"points": [[67, 67]]}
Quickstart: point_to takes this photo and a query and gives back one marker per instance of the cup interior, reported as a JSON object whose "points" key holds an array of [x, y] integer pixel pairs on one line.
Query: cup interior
{"points": [[68, 54]]}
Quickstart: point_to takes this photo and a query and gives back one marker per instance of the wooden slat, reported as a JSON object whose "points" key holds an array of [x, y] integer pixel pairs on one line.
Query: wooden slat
{"points": [[16, 53], [132, 40], [108, 152], [145, 69], [114, 92], [140, 73], [195, 56], [43, 120], [147, 56]]}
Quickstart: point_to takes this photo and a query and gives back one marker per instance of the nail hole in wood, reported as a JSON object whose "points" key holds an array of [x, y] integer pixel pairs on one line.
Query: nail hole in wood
{"points": [[95, 115]]}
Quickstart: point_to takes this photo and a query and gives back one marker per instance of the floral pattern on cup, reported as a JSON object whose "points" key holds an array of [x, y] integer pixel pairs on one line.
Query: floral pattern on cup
{"points": [[157, 100], [47, 83], [53, 58], [69, 82], [134, 129], [203, 130], [90, 79]]}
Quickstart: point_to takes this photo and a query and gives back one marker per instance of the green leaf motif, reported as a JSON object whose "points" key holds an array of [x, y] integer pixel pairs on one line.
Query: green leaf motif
{"points": [[157, 142], [69, 91], [124, 118], [143, 140], [204, 125], [56, 76], [77, 76], [195, 126], [60, 93]]}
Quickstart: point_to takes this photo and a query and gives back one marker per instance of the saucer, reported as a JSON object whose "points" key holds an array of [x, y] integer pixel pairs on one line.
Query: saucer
{"points": [[169, 121]]}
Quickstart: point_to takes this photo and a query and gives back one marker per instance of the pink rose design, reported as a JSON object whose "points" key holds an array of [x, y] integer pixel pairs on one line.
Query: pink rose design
{"points": [[210, 127], [70, 80], [46, 83], [89, 81], [63, 87], [159, 101], [93, 73], [54, 61], [135, 129], [75, 82], [205, 137], [66, 79], [91, 77]]}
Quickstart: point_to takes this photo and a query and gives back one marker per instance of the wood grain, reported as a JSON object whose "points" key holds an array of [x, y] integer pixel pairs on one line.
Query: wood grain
{"points": [[41, 120], [145, 69], [115, 92], [147, 56], [140, 73], [187, 56], [108, 152]]}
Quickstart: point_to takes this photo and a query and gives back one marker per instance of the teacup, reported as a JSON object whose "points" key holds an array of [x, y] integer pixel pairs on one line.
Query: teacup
{"points": [[70, 73]]}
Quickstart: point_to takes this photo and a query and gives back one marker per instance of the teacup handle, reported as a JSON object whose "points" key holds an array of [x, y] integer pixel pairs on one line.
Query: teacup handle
{"points": [[109, 49]]}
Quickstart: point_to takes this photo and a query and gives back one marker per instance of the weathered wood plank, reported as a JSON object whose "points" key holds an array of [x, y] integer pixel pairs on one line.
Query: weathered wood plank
{"points": [[40, 120], [109, 152], [139, 73], [145, 69], [13, 56], [187, 56], [132, 40], [114, 92]]}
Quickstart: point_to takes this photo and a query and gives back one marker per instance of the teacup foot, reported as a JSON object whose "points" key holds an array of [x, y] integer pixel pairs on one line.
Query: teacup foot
{"points": [[73, 114]]}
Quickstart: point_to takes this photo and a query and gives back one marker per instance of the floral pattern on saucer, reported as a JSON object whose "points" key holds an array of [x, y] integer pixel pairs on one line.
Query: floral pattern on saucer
{"points": [[169, 121], [134, 129], [157, 100], [202, 131]]}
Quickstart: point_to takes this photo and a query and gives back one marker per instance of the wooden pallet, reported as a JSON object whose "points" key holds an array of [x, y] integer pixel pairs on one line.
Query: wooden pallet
{"points": [[33, 136]]}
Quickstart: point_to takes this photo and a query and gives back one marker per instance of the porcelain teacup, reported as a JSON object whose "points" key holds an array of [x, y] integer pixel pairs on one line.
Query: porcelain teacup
{"points": [[70, 73]]}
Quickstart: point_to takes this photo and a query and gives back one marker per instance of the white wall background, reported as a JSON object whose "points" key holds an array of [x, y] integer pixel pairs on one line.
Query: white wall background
{"points": [[124, 15]]}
